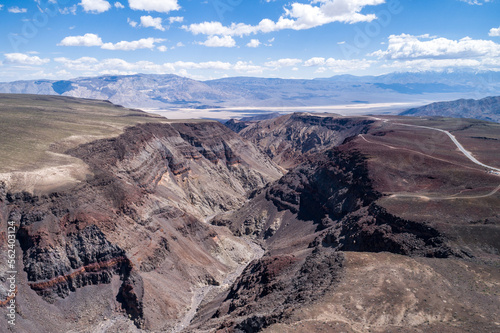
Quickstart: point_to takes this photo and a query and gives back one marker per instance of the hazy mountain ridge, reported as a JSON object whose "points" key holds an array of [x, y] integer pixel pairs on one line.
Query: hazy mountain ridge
{"points": [[169, 91], [485, 109]]}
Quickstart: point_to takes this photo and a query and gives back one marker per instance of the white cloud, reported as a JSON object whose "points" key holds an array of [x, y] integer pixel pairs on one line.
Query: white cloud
{"points": [[162, 6], [346, 66], [433, 64], [162, 48], [63, 74], [119, 5], [216, 41], [17, 10], [68, 10], [144, 43], [495, 32], [254, 43], [203, 65], [81, 64], [298, 17], [338, 65], [247, 67], [95, 6], [23, 59], [132, 22], [94, 40], [176, 19], [89, 64], [85, 40], [270, 42], [153, 22], [180, 44], [1, 6], [475, 2], [412, 47], [316, 61], [287, 62]]}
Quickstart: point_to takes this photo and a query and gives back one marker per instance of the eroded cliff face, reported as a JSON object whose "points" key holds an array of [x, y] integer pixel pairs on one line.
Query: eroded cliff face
{"points": [[321, 216], [129, 248], [332, 197], [136, 227], [288, 140]]}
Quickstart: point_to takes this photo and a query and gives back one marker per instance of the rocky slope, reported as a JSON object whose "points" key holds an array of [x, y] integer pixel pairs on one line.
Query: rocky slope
{"points": [[376, 225], [344, 200], [485, 109], [288, 139], [133, 231]]}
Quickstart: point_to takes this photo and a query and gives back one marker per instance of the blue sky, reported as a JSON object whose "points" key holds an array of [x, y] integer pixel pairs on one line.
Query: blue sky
{"points": [[206, 39]]}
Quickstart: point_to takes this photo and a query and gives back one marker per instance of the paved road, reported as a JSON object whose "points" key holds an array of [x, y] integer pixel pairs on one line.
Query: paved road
{"points": [[458, 144]]}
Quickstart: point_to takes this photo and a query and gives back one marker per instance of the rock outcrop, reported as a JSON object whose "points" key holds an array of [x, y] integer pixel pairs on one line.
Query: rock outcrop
{"points": [[139, 218], [289, 139]]}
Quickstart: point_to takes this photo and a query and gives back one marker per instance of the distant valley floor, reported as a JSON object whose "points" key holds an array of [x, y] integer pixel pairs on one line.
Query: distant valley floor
{"points": [[239, 112]]}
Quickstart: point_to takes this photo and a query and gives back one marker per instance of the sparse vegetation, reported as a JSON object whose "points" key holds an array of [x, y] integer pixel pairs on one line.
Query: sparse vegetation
{"points": [[32, 126]]}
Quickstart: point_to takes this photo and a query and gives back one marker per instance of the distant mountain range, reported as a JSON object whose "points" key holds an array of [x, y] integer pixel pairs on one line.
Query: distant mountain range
{"points": [[485, 109], [171, 91]]}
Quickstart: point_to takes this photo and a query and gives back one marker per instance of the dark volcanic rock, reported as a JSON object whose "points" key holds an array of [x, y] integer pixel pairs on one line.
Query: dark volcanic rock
{"points": [[334, 194], [270, 289]]}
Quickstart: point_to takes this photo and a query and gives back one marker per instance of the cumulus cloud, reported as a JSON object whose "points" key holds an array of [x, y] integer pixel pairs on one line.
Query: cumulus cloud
{"points": [[85, 40], [16, 10], [176, 19], [247, 67], [153, 22], [254, 43], [95, 6], [132, 22], [286, 62], [406, 46], [162, 6], [90, 64], [495, 32], [144, 43], [316, 61], [162, 48], [338, 65], [433, 64], [95, 40], [119, 5], [298, 16], [425, 53], [24, 59], [216, 41], [80, 64]]}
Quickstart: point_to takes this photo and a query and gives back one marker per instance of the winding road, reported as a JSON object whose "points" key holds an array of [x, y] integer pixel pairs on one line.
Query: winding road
{"points": [[495, 171], [458, 144]]}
